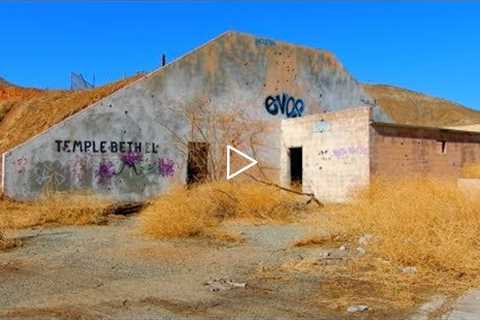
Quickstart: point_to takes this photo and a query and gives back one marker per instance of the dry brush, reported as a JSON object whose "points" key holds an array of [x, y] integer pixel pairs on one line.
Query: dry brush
{"points": [[428, 225], [199, 211]]}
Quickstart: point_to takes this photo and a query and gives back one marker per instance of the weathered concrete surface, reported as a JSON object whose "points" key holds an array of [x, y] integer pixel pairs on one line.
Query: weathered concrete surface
{"points": [[426, 310], [126, 146], [466, 308], [336, 156]]}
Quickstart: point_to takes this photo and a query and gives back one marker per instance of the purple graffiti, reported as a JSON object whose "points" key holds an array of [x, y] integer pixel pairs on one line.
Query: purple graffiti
{"points": [[134, 163], [350, 151], [166, 167], [131, 159], [105, 172], [340, 153]]}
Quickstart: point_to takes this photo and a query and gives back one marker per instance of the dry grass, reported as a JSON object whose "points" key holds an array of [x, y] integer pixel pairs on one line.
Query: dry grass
{"points": [[183, 212], [409, 107], [53, 209], [471, 171], [426, 224]]}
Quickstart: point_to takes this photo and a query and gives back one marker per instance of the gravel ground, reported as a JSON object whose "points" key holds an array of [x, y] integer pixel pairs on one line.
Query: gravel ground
{"points": [[110, 272]]}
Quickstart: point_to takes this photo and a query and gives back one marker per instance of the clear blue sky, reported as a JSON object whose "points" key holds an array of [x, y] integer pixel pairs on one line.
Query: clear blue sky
{"points": [[428, 47]]}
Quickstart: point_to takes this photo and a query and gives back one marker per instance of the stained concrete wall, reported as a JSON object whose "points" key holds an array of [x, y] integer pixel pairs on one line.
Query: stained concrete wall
{"points": [[123, 146], [336, 149], [403, 151]]}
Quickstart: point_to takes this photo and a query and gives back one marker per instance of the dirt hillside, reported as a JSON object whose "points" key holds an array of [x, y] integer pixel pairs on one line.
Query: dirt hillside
{"points": [[25, 112], [410, 107]]}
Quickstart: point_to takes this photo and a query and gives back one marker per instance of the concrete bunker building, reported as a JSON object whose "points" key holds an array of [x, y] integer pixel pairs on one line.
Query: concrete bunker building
{"points": [[341, 151], [133, 144]]}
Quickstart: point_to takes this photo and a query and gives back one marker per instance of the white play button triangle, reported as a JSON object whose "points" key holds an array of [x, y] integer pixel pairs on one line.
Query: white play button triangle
{"points": [[248, 166]]}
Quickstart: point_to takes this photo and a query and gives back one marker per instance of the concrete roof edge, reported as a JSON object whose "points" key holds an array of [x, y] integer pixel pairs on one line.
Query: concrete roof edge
{"points": [[410, 126], [251, 35]]}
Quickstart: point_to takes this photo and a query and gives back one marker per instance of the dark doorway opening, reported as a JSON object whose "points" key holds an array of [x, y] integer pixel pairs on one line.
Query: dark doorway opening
{"points": [[197, 167], [296, 168]]}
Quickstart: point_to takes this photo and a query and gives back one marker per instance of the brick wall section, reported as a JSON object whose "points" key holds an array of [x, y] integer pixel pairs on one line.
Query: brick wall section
{"points": [[402, 151], [335, 152]]}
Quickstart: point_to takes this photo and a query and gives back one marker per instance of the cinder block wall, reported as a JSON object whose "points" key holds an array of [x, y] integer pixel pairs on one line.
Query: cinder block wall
{"points": [[403, 151], [336, 150]]}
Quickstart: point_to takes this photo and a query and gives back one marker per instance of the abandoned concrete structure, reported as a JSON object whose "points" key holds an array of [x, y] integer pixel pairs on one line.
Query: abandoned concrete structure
{"points": [[134, 143], [339, 152]]}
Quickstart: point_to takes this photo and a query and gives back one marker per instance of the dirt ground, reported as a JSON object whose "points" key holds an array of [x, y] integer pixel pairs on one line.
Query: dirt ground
{"points": [[111, 272]]}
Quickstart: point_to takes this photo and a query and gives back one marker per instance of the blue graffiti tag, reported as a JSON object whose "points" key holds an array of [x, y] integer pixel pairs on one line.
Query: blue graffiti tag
{"points": [[285, 104], [264, 42]]}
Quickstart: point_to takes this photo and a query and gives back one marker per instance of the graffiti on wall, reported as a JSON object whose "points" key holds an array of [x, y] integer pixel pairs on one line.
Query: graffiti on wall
{"points": [[264, 42], [86, 146], [344, 152], [105, 172], [130, 165], [135, 163], [285, 105], [21, 165], [51, 174]]}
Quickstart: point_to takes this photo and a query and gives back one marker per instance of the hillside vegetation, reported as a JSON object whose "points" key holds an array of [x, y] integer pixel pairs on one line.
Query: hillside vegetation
{"points": [[414, 108]]}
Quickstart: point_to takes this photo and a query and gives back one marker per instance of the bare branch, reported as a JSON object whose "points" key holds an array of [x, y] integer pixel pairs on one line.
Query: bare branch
{"points": [[268, 183]]}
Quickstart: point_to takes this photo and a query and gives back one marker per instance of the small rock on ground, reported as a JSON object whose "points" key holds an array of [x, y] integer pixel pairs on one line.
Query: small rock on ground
{"points": [[357, 308]]}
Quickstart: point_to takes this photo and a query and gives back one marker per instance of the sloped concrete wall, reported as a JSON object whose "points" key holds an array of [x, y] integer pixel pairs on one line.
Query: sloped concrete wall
{"points": [[126, 145], [336, 152]]}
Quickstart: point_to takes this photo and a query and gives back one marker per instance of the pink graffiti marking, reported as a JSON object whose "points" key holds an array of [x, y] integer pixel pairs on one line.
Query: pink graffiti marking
{"points": [[21, 165]]}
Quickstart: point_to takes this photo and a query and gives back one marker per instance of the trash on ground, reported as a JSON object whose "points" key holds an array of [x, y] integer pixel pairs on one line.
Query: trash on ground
{"points": [[223, 284]]}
